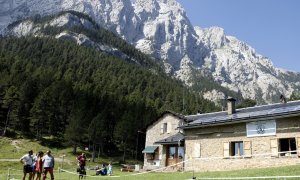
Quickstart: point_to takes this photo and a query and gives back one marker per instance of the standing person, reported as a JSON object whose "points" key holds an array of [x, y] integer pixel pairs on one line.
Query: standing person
{"points": [[34, 158], [109, 169], [48, 163], [26, 160], [39, 166], [81, 163], [81, 160]]}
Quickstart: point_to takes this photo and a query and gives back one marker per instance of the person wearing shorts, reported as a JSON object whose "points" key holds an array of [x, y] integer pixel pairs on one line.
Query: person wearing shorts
{"points": [[48, 163], [26, 160]]}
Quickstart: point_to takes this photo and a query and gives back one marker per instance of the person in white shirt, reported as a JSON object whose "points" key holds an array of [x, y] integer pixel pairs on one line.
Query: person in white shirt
{"points": [[26, 160], [109, 169], [48, 164], [34, 158]]}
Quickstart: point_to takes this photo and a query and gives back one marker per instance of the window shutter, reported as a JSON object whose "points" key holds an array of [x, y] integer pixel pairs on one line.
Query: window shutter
{"points": [[298, 146], [247, 149], [274, 147], [156, 153], [226, 148], [162, 128], [196, 150], [169, 127]]}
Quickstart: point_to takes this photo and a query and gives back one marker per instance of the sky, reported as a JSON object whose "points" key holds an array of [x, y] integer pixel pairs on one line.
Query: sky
{"points": [[271, 27]]}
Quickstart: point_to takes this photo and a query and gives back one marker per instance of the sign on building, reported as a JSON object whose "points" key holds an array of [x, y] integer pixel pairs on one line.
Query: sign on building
{"points": [[261, 128]]}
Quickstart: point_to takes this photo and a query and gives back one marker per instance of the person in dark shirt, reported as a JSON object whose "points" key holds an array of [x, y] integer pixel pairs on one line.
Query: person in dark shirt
{"points": [[102, 171], [81, 161]]}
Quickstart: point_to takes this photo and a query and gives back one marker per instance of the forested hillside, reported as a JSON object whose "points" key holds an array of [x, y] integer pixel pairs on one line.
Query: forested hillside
{"points": [[78, 95], [81, 28]]}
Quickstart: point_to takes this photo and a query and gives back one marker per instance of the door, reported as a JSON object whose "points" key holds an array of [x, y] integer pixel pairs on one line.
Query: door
{"points": [[175, 155]]}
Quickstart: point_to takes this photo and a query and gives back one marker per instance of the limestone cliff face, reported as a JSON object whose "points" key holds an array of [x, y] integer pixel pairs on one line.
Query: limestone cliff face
{"points": [[162, 29]]}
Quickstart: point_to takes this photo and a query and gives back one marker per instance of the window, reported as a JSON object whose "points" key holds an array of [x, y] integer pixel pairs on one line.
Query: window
{"points": [[172, 151], [237, 148], [175, 152], [149, 156], [156, 154], [151, 152], [164, 128], [180, 152], [287, 146]]}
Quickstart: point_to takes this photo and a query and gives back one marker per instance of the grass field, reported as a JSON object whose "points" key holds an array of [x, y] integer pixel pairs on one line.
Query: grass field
{"points": [[12, 150], [285, 171]]}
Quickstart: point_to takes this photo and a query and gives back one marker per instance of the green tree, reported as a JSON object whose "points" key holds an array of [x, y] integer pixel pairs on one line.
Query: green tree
{"points": [[98, 131], [246, 103], [11, 102], [75, 133], [124, 133], [40, 114], [294, 96]]}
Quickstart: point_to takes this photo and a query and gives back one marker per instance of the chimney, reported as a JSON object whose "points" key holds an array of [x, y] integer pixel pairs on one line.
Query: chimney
{"points": [[231, 105]]}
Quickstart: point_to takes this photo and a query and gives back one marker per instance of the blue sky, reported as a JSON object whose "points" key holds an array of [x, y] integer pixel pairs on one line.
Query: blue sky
{"points": [[272, 27]]}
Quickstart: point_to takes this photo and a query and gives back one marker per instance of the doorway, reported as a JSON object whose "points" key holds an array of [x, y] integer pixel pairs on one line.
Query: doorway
{"points": [[175, 155]]}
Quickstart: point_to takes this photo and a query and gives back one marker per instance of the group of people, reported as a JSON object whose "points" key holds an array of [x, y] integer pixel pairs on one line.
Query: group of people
{"points": [[40, 164], [104, 170], [37, 165]]}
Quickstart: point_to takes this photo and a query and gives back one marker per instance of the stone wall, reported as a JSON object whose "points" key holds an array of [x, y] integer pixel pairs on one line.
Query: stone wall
{"points": [[211, 152], [154, 134]]}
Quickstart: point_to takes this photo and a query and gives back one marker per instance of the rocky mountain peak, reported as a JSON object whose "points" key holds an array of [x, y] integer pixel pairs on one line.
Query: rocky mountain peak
{"points": [[162, 29], [147, 6], [213, 37]]}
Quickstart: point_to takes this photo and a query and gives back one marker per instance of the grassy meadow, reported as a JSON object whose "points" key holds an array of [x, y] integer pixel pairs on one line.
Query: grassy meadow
{"points": [[12, 149]]}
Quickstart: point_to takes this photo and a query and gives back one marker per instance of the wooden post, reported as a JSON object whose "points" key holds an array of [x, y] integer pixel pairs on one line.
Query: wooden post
{"points": [[8, 174], [62, 162], [59, 169]]}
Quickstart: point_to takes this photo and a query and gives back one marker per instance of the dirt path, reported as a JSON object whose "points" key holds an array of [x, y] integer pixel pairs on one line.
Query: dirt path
{"points": [[9, 160]]}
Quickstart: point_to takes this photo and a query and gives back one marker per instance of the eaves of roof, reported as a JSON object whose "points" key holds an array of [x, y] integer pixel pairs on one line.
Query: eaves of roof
{"points": [[174, 139], [241, 120]]}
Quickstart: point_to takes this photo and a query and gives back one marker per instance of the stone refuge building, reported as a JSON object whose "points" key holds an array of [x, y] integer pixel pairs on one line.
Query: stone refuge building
{"points": [[164, 141], [261, 136]]}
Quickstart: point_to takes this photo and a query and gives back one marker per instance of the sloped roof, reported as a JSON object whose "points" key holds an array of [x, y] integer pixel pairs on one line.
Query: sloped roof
{"points": [[172, 139], [164, 113], [246, 114]]}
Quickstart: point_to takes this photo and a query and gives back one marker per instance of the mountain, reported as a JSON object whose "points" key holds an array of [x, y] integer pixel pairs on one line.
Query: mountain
{"points": [[161, 29], [53, 87], [81, 29]]}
